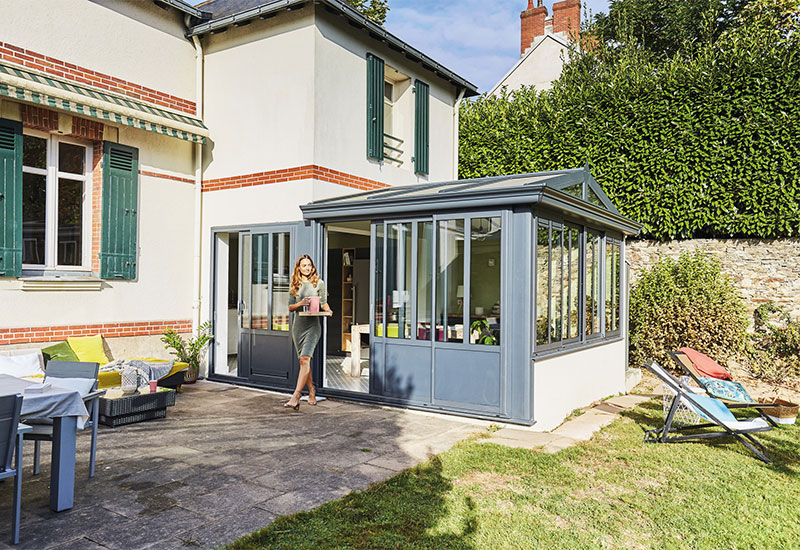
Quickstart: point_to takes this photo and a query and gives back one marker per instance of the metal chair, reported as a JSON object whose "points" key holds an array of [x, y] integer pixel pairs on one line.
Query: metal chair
{"points": [[10, 438], [44, 432]]}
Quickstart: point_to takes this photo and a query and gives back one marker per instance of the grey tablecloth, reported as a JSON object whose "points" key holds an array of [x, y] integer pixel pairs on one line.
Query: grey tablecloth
{"points": [[51, 403]]}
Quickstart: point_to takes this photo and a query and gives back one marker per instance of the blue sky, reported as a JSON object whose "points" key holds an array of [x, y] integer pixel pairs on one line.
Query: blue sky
{"points": [[478, 39]]}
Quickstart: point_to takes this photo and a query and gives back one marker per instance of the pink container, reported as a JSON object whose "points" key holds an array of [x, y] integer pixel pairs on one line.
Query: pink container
{"points": [[153, 386], [313, 304]]}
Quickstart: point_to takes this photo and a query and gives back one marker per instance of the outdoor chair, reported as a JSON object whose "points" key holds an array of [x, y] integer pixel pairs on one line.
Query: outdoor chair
{"points": [[69, 371], [709, 408], [10, 439], [733, 394]]}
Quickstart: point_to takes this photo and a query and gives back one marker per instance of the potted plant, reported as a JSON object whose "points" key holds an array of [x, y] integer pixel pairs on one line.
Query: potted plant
{"points": [[189, 351]]}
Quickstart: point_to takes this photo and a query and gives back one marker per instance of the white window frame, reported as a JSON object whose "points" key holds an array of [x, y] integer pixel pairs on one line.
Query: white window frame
{"points": [[52, 176]]}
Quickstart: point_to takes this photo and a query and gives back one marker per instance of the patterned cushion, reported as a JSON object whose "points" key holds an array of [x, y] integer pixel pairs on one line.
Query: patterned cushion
{"points": [[725, 389]]}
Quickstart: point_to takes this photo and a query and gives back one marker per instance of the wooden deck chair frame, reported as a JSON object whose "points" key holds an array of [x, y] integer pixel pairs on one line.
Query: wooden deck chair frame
{"points": [[683, 361], [662, 435]]}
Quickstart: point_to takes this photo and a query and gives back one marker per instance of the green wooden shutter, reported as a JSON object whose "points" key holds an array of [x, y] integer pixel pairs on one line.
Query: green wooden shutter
{"points": [[374, 107], [120, 211], [10, 198], [421, 127]]}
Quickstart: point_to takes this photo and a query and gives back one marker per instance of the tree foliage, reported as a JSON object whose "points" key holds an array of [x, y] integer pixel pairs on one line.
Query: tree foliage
{"points": [[692, 132], [375, 10]]}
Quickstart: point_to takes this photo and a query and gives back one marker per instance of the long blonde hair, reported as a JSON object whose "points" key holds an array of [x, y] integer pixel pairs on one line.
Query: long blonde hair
{"points": [[297, 277]]}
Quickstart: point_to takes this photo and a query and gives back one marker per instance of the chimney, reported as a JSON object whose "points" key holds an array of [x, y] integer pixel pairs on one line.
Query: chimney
{"points": [[532, 22], [567, 18]]}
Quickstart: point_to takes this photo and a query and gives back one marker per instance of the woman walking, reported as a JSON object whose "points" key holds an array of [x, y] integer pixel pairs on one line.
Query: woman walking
{"points": [[306, 331]]}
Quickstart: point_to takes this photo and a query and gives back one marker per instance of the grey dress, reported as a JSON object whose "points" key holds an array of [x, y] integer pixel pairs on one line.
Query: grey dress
{"points": [[306, 331]]}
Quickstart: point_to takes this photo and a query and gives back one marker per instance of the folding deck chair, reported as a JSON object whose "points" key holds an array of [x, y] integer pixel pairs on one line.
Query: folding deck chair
{"points": [[710, 409], [733, 394]]}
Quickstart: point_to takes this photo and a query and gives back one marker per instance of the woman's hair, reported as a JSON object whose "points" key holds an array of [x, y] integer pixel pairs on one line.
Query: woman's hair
{"points": [[313, 278]]}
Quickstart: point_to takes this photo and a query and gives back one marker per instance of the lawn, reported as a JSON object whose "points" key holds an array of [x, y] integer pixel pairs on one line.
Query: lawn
{"points": [[611, 492]]}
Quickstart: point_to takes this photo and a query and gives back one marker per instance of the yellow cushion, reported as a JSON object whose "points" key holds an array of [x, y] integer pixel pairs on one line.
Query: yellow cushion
{"points": [[113, 379], [89, 348]]}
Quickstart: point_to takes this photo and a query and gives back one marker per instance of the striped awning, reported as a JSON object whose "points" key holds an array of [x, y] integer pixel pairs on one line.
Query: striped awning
{"points": [[38, 88]]}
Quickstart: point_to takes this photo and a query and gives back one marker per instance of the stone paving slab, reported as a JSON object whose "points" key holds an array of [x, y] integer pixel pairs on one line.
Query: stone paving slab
{"points": [[225, 462], [575, 430]]}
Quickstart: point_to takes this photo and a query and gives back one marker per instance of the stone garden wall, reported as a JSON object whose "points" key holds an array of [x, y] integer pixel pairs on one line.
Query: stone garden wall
{"points": [[763, 270]]}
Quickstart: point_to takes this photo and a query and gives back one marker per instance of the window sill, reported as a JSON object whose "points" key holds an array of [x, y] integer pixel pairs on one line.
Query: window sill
{"points": [[577, 346], [61, 282]]}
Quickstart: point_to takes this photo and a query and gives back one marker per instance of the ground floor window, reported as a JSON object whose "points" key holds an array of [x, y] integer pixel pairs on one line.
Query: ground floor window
{"points": [[577, 269], [55, 206]]}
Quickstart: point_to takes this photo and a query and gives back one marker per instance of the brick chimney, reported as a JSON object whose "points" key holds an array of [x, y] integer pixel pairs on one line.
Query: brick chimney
{"points": [[567, 18], [532, 22]]}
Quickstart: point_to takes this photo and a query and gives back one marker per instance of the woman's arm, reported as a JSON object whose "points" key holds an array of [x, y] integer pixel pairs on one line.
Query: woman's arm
{"points": [[297, 305]]}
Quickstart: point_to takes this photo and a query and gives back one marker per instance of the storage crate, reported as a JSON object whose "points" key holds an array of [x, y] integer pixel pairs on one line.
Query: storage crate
{"points": [[135, 408]]}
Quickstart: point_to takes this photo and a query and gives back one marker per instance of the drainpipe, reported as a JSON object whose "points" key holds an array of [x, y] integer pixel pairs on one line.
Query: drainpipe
{"points": [[455, 132], [198, 194]]}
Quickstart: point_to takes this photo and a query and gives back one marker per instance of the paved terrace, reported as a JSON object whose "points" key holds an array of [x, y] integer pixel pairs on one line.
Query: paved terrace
{"points": [[225, 462]]}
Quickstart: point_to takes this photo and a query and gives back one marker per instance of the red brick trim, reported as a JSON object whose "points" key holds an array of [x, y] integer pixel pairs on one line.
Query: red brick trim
{"points": [[165, 176], [310, 171], [57, 67], [87, 129], [108, 330], [39, 118], [97, 203]]}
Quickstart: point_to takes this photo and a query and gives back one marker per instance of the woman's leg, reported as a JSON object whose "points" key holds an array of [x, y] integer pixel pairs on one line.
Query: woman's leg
{"points": [[312, 392], [305, 373]]}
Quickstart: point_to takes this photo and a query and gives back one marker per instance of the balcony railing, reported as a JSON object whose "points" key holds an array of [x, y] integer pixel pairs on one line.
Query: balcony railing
{"points": [[392, 149]]}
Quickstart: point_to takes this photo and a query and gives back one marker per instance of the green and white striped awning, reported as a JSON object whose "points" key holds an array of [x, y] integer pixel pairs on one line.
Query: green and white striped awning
{"points": [[33, 87]]}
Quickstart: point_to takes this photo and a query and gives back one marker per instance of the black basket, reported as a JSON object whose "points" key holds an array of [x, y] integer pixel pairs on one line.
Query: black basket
{"points": [[136, 403], [123, 419]]}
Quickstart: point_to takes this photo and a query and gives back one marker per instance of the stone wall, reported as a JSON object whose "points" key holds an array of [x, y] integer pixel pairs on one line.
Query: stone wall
{"points": [[762, 270]]}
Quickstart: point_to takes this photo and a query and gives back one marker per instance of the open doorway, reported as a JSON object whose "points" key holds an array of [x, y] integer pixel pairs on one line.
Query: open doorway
{"points": [[347, 342]]}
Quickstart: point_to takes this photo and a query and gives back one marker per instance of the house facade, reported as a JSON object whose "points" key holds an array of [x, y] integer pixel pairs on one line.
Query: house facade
{"points": [[545, 43], [167, 168]]}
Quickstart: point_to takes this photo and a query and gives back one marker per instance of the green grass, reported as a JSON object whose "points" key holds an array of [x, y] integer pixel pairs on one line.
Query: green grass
{"points": [[611, 492]]}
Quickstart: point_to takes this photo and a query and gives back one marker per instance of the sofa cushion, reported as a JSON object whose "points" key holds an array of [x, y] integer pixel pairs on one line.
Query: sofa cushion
{"points": [[20, 365], [81, 385], [89, 348], [59, 352]]}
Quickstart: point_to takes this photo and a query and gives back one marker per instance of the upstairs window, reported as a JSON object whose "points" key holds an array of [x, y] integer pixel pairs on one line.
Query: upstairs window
{"points": [[397, 117], [55, 202]]}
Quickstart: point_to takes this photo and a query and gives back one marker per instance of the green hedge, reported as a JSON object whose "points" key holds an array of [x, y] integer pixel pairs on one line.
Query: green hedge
{"points": [[702, 145]]}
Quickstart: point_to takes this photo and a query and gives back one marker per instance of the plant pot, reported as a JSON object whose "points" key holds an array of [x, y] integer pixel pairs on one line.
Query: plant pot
{"points": [[786, 413], [191, 374]]}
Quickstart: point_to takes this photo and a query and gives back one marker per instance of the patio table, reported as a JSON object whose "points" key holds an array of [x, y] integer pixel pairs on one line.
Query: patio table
{"points": [[68, 413]]}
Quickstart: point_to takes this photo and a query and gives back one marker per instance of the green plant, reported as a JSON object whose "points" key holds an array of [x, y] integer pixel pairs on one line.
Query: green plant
{"points": [[702, 142], [775, 344], [188, 351], [685, 302], [481, 333]]}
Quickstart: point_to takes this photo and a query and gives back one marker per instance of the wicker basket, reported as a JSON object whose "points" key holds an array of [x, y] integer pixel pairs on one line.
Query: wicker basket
{"points": [[786, 413]]}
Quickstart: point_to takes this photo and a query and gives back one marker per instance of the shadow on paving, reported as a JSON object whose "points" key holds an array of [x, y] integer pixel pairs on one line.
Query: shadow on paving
{"points": [[225, 462], [403, 512]]}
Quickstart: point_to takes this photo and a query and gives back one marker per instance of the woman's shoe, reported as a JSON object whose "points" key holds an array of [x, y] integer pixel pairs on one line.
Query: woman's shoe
{"points": [[312, 395], [288, 405]]}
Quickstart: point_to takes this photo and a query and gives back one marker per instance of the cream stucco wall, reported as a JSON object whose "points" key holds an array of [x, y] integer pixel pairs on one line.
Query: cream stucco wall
{"points": [[340, 122], [162, 290], [566, 382], [134, 41], [263, 204], [538, 68], [259, 96]]}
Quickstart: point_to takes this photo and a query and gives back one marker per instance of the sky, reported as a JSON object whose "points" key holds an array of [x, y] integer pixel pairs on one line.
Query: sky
{"points": [[477, 39]]}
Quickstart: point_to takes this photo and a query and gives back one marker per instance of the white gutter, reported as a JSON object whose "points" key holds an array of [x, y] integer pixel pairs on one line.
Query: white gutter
{"points": [[198, 194], [455, 132]]}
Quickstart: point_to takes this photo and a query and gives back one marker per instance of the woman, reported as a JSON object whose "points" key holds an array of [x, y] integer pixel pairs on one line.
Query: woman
{"points": [[306, 331]]}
